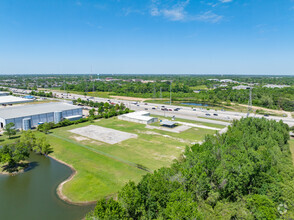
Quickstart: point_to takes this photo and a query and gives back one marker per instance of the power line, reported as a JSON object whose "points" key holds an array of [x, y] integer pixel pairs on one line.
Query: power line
{"points": [[249, 102]]}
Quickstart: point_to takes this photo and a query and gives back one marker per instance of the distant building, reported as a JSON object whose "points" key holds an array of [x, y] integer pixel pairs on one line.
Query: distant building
{"points": [[275, 86], [170, 124], [141, 117], [4, 93], [228, 81], [29, 116], [137, 80], [148, 81], [240, 87], [9, 100], [217, 80]]}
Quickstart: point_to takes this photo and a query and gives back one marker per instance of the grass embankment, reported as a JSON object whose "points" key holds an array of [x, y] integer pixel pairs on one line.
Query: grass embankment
{"points": [[94, 94], [102, 169]]}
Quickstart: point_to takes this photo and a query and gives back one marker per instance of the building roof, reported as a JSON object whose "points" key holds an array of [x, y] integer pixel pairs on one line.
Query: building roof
{"points": [[168, 123], [35, 109], [9, 99], [4, 93]]}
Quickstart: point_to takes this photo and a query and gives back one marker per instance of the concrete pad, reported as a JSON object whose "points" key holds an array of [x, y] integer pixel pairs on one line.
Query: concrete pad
{"points": [[107, 135], [177, 129]]}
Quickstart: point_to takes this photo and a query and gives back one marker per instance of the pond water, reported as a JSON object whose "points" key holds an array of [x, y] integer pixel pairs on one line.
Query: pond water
{"points": [[195, 104], [32, 195]]}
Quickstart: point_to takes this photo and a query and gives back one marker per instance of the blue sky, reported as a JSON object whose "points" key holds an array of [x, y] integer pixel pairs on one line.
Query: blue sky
{"points": [[147, 36]]}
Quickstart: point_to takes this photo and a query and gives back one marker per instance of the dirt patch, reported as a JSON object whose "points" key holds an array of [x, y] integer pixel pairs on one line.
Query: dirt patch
{"points": [[103, 134], [147, 132], [79, 138], [176, 139]]}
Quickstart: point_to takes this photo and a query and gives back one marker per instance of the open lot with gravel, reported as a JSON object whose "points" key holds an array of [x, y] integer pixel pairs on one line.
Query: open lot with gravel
{"points": [[107, 135]]}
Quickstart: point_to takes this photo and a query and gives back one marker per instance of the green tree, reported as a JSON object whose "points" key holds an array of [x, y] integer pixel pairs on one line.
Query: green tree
{"points": [[28, 138], [110, 210], [43, 147], [12, 154], [92, 112], [9, 130]]}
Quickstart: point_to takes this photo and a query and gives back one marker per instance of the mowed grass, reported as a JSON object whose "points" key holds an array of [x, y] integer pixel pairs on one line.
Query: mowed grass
{"points": [[102, 169]]}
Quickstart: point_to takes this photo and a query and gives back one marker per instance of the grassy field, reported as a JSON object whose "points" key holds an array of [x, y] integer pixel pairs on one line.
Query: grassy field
{"points": [[103, 168], [202, 87]]}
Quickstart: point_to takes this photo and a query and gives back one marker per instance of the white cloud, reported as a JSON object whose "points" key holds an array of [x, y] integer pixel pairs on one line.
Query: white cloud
{"points": [[226, 1], [175, 12], [178, 12], [209, 16]]}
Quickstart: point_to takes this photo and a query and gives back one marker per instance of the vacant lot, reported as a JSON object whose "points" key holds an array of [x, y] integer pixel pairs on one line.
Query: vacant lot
{"points": [[106, 135], [102, 168]]}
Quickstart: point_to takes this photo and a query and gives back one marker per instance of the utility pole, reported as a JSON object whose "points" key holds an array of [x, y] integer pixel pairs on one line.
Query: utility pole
{"points": [[170, 94], [249, 102]]}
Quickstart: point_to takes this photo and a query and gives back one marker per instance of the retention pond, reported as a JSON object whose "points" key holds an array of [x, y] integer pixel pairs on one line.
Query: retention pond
{"points": [[32, 195]]}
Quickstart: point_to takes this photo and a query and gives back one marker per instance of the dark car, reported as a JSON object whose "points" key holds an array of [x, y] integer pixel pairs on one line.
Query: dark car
{"points": [[153, 108], [215, 114], [207, 114], [266, 115]]}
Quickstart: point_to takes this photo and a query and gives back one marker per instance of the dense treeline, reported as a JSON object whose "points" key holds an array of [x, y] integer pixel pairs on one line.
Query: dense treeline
{"points": [[42, 93], [265, 97], [245, 173], [128, 87], [13, 155]]}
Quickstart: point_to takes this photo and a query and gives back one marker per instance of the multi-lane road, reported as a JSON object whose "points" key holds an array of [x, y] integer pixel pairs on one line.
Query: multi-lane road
{"points": [[198, 114]]}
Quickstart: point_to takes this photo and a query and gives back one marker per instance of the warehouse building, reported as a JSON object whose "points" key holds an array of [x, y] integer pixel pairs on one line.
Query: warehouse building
{"points": [[4, 93], [29, 116], [10, 100], [141, 117]]}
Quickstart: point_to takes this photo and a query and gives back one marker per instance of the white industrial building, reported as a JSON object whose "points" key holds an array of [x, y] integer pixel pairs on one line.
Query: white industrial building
{"points": [[4, 93], [141, 117], [272, 86], [240, 87], [9, 99], [29, 116]]}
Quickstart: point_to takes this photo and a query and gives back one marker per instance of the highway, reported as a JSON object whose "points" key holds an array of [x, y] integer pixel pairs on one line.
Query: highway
{"points": [[197, 114]]}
